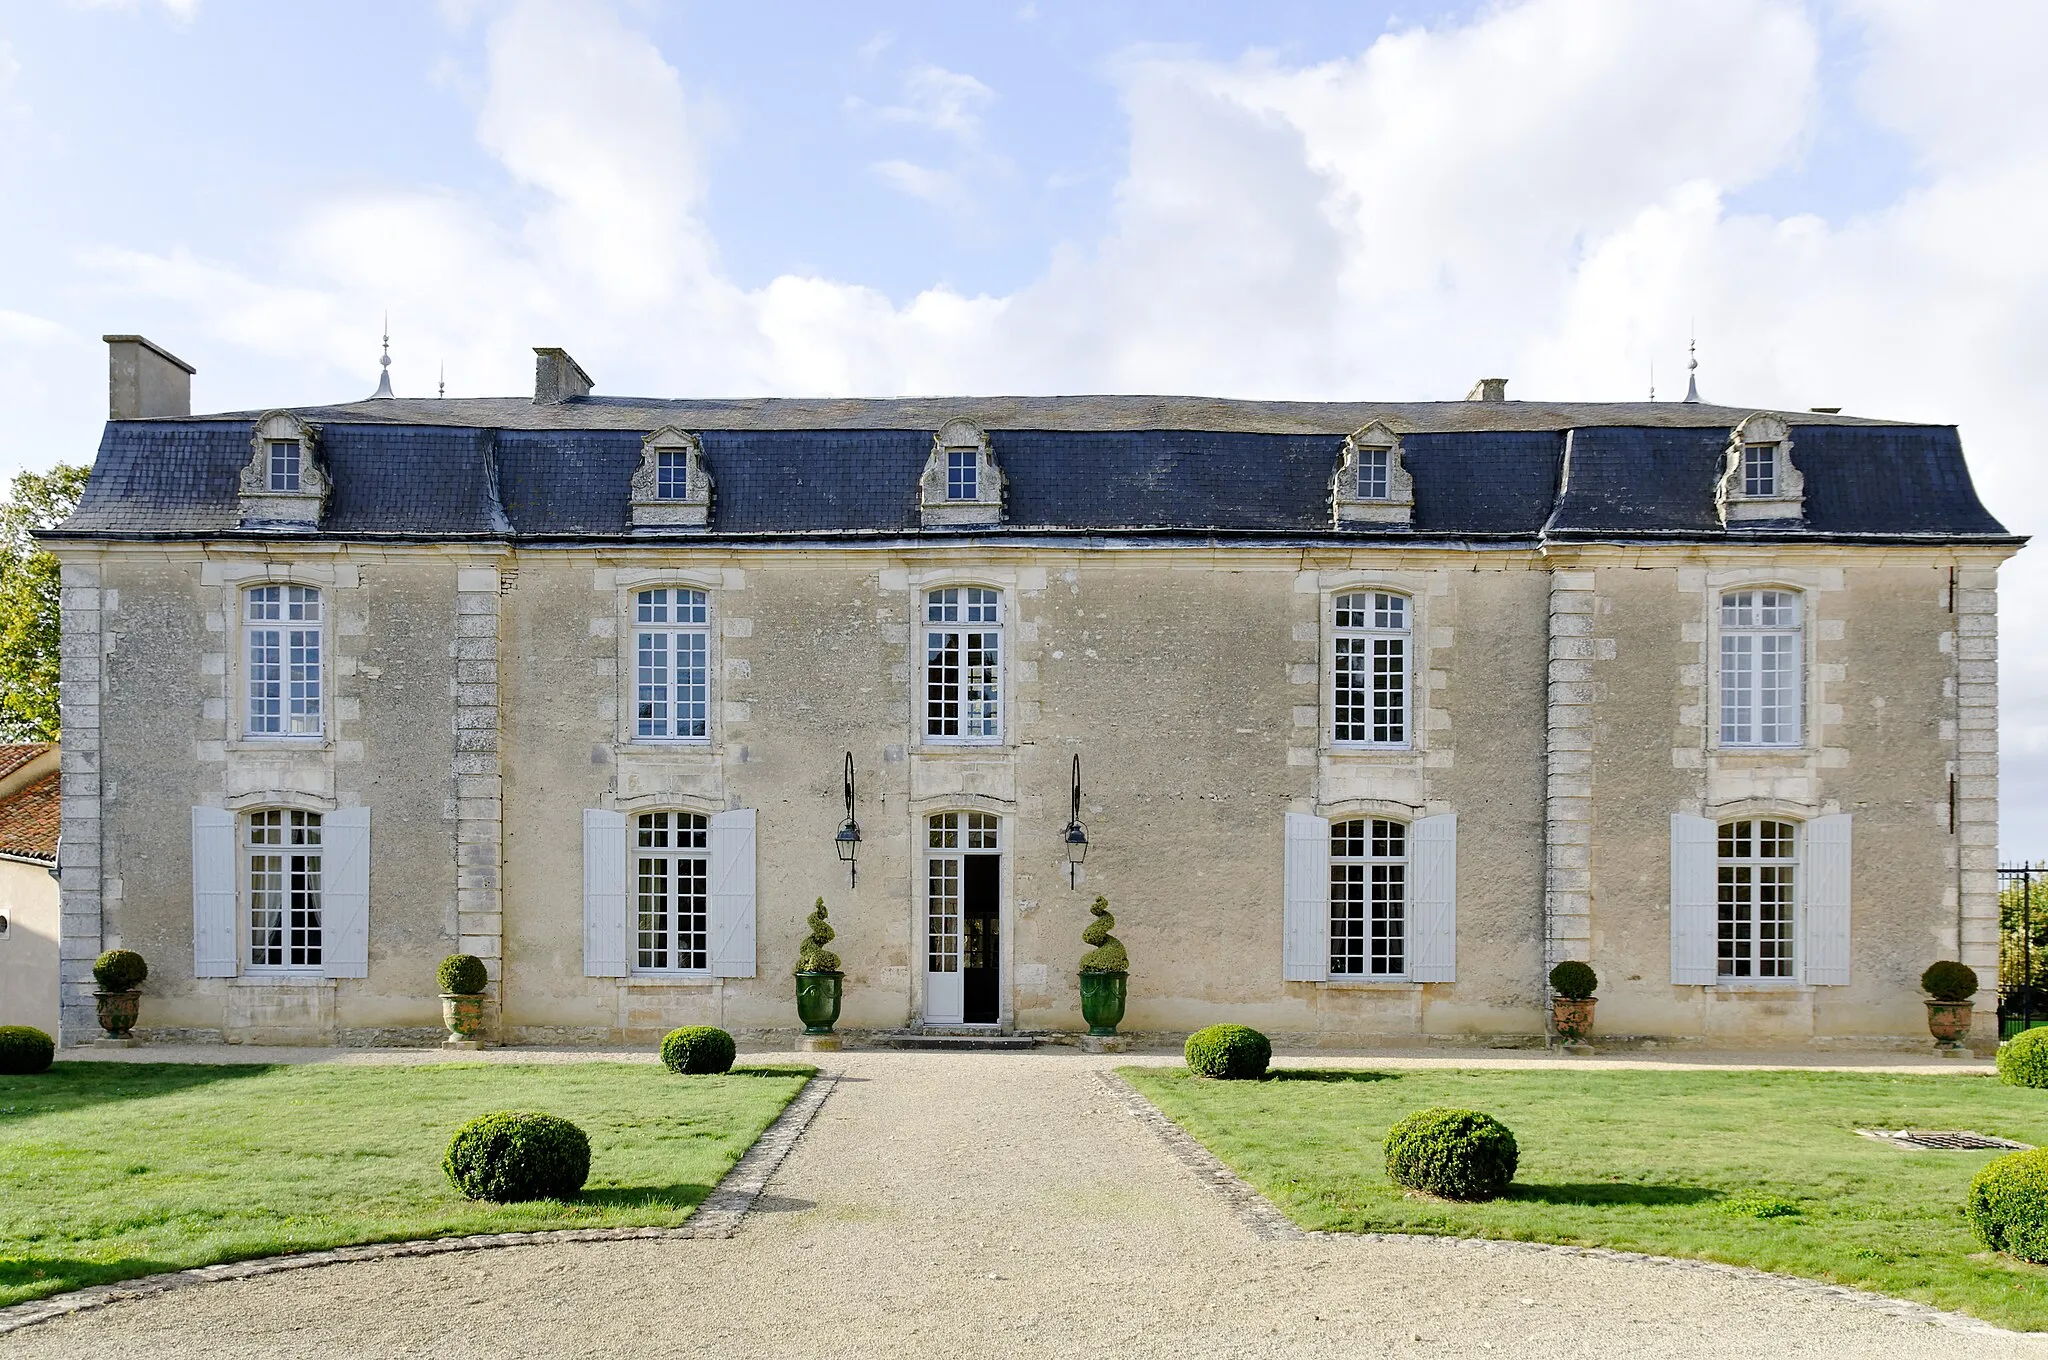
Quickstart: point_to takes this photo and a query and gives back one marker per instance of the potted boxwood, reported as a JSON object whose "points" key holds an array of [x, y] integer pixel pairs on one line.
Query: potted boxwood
{"points": [[818, 979], [1105, 973], [1572, 985], [1949, 986], [463, 979], [119, 972]]}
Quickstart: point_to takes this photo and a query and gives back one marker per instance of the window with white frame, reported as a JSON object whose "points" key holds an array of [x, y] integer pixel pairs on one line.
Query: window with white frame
{"points": [[1368, 898], [1369, 680], [284, 465], [281, 632], [1761, 651], [672, 475], [963, 478], [1759, 469], [283, 852], [671, 665], [1372, 473], [1757, 869], [963, 673], [671, 902]]}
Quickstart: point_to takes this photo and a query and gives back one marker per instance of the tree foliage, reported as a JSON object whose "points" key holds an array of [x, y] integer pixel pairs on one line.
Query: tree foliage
{"points": [[30, 619]]}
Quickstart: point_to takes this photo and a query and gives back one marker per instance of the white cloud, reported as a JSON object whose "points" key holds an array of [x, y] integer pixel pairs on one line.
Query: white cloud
{"points": [[946, 102], [939, 187], [184, 11]]}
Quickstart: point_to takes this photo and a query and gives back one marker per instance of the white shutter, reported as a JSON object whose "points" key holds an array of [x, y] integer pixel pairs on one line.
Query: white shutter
{"points": [[1694, 913], [604, 893], [213, 892], [1433, 899], [345, 893], [1305, 909], [1826, 902], [732, 893]]}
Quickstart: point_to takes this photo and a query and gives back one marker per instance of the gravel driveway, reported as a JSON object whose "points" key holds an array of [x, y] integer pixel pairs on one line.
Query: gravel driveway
{"points": [[998, 1205]]}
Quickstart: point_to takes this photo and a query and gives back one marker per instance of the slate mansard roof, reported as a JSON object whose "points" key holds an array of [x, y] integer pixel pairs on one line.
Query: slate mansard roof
{"points": [[1146, 468]]}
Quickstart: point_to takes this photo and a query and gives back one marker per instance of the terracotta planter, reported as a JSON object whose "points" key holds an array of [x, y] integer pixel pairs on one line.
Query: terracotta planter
{"points": [[1949, 1022], [117, 1011], [1573, 1019], [463, 1013], [817, 1000], [1102, 1001]]}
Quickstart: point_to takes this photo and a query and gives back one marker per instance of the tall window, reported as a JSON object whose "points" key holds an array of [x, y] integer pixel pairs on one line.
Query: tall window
{"points": [[671, 907], [949, 833], [284, 465], [1372, 474], [1759, 469], [284, 889], [962, 474], [672, 475], [963, 672], [1369, 690], [1368, 898], [1760, 668], [281, 626], [1758, 862], [671, 650]]}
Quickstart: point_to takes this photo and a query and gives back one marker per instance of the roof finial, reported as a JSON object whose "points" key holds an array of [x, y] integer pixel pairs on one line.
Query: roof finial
{"points": [[1653, 380], [384, 377], [1692, 367], [443, 391]]}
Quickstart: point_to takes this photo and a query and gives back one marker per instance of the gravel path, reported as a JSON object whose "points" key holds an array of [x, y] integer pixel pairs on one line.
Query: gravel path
{"points": [[1002, 1205]]}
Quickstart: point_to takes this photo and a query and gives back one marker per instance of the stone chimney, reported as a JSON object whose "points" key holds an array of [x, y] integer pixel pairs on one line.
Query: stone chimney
{"points": [[557, 378], [1488, 389], [145, 380]]}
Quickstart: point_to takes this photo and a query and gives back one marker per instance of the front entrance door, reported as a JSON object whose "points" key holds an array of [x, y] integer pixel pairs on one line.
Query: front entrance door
{"points": [[963, 900]]}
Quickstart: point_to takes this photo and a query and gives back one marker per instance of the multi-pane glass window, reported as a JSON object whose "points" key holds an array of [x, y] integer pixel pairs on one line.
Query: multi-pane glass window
{"points": [[671, 665], [963, 671], [1369, 689], [1760, 668], [672, 475], [1759, 469], [284, 889], [281, 627], [671, 904], [950, 833], [1372, 474], [962, 474], [1757, 863], [1368, 898], [284, 465]]}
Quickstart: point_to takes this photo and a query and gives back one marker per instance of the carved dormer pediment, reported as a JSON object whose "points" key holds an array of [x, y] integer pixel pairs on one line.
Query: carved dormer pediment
{"points": [[1371, 484], [284, 484], [961, 482], [1758, 478], [671, 487]]}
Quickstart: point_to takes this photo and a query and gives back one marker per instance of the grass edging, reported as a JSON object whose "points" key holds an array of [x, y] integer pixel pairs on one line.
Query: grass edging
{"points": [[718, 1216]]}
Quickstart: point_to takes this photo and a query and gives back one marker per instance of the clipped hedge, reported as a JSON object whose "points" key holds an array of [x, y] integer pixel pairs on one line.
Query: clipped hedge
{"points": [[2023, 1059], [25, 1051], [1452, 1154], [812, 956], [2008, 1204], [1229, 1053], [1108, 954], [119, 970], [462, 975], [698, 1050], [1949, 981], [513, 1155], [1574, 981]]}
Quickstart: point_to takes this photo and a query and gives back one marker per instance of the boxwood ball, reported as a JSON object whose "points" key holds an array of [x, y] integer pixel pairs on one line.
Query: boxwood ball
{"points": [[514, 1155]]}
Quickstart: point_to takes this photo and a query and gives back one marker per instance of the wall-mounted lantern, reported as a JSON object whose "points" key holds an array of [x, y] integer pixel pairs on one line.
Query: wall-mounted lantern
{"points": [[1076, 835], [847, 842]]}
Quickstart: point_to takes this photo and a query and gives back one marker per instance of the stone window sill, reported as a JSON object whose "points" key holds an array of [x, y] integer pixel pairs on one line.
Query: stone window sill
{"points": [[670, 980], [1372, 984], [282, 980]]}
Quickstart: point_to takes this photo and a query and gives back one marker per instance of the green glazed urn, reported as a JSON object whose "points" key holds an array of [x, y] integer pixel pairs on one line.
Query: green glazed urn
{"points": [[1102, 1001], [817, 1001]]}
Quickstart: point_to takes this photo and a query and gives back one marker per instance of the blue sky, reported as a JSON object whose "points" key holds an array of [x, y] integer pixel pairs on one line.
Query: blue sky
{"points": [[1843, 199]]}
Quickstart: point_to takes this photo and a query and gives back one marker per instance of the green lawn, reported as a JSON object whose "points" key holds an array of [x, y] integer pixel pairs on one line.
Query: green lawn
{"points": [[1754, 1168], [113, 1170]]}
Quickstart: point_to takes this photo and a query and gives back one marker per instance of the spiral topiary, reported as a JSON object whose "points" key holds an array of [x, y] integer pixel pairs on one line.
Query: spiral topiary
{"points": [[1229, 1053], [1949, 981], [462, 975], [515, 1155], [812, 956], [25, 1051], [1452, 1154], [2023, 1059], [697, 1050], [1574, 981], [1108, 955], [2008, 1204], [119, 970]]}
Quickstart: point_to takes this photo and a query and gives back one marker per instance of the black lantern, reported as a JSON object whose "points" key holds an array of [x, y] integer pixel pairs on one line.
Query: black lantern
{"points": [[847, 842], [1076, 835]]}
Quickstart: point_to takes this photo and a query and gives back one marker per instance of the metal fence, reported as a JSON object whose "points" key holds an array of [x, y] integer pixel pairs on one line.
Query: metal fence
{"points": [[2022, 946]]}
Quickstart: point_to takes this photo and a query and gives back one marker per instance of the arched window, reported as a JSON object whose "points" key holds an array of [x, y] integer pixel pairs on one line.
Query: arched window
{"points": [[281, 630], [671, 665], [671, 895], [1757, 868], [1369, 677], [284, 857], [1368, 898], [1761, 667], [963, 671]]}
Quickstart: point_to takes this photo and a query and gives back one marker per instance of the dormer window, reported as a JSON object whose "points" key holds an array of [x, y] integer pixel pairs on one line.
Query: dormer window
{"points": [[671, 490], [961, 483], [284, 484], [1759, 469], [1759, 481], [284, 465], [961, 479], [671, 475], [1371, 485]]}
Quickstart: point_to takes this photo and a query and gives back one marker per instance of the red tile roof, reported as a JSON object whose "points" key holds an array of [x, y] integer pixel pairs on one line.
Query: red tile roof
{"points": [[13, 758], [29, 817]]}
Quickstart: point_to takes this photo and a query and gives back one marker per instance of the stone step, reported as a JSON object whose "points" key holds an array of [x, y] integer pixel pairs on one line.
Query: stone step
{"points": [[953, 1041]]}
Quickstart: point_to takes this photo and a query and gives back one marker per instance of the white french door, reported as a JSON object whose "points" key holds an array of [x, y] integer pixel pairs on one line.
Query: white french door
{"points": [[950, 838]]}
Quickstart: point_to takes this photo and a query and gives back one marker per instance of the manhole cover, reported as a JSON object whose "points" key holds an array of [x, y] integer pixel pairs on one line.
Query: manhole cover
{"points": [[1944, 1140]]}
